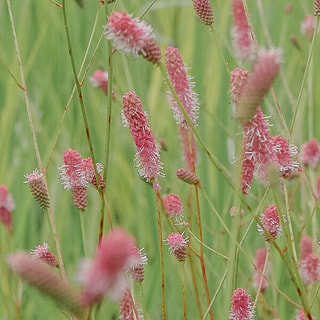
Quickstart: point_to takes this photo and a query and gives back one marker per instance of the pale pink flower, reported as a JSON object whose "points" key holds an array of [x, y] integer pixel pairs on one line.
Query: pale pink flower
{"points": [[242, 36], [173, 205], [235, 210], [310, 153], [302, 316], [148, 155], [6, 207], [189, 148], [204, 11], [136, 265], [38, 188], [308, 25], [128, 309], [100, 79], [43, 253], [88, 175], [258, 274], [104, 273], [305, 247], [128, 34], [271, 222], [258, 84], [242, 307], [310, 269], [177, 246], [183, 86]]}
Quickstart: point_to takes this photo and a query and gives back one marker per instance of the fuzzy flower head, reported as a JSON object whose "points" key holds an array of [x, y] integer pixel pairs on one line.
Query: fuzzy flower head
{"points": [[128, 34], [6, 206], [43, 253], [271, 222], [204, 11], [242, 307], [128, 309], [87, 173], [148, 155], [177, 246], [70, 172], [137, 263], [173, 205], [99, 79], [310, 153], [306, 247], [238, 79], [308, 26], [258, 274], [310, 269], [183, 86]]}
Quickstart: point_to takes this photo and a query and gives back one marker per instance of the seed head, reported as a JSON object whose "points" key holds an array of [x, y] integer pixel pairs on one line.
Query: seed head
{"points": [[151, 52], [188, 176], [43, 253], [204, 11], [177, 245]]}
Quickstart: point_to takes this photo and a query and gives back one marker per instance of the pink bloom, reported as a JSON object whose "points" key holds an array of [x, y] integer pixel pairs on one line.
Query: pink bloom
{"points": [[6, 207], [148, 155], [128, 309], [301, 315], [305, 247], [258, 84], [43, 253], [310, 269], [173, 205], [183, 86], [136, 265], [258, 274], [271, 222], [128, 34], [100, 79], [204, 11], [177, 245], [310, 153], [87, 173], [308, 25], [242, 307], [189, 148], [105, 271], [242, 36], [238, 80]]}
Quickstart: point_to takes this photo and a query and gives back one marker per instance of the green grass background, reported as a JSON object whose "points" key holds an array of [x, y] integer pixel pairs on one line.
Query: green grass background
{"points": [[47, 68]]}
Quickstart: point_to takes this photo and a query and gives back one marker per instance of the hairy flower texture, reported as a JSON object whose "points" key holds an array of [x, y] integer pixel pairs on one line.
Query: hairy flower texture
{"points": [[136, 265], [46, 280], [38, 188], [258, 84], [242, 307], [128, 309], [151, 52], [306, 247], [128, 34], [43, 253], [99, 79], [189, 148], [310, 154], [183, 86], [177, 245], [87, 173], [173, 205], [271, 222], [204, 11], [239, 78], [258, 274], [148, 155], [310, 269], [188, 176], [242, 36], [104, 272], [6, 207], [316, 7]]}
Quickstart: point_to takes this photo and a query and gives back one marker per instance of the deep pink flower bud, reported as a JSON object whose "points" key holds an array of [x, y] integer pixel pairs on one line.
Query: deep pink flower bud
{"points": [[183, 86], [136, 265], [242, 307], [260, 262], [188, 176], [148, 155], [173, 205], [242, 36], [43, 253], [6, 206], [271, 222], [258, 84], [204, 11], [100, 79], [128, 34], [310, 153], [177, 245]]}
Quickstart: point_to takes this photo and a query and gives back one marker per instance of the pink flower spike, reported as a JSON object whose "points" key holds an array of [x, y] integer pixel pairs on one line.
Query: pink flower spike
{"points": [[271, 222], [137, 263], [148, 155], [310, 154], [258, 84], [305, 247], [310, 269], [6, 206], [242, 307], [173, 205], [100, 79], [238, 80], [70, 171], [260, 262], [183, 86], [128, 34], [128, 309], [43, 253], [242, 36], [177, 245]]}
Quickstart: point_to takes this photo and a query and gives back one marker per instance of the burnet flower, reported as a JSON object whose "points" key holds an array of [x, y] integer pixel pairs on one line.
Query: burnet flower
{"points": [[241, 307], [136, 265], [271, 222], [178, 246], [7, 205], [204, 11], [43, 253], [310, 154], [259, 277], [99, 79], [173, 205], [188, 176], [128, 309]]}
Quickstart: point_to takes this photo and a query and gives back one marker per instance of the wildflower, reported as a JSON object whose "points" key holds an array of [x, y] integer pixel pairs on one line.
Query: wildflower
{"points": [[258, 274], [40, 275], [87, 173], [148, 156], [151, 52], [305, 247], [242, 307], [104, 272], [173, 205], [310, 153], [310, 269], [100, 79], [238, 80], [316, 8], [242, 36], [308, 26], [271, 222], [128, 34], [204, 11], [177, 246], [258, 84], [38, 188], [136, 265], [183, 86], [128, 309], [6, 207], [43, 253], [189, 148], [188, 176]]}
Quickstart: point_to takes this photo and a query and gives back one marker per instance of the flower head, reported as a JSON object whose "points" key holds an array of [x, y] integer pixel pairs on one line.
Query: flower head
{"points": [[188, 176], [238, 80], [242, 307], [6, 206], [148, 156], [305, 247], [177, 245], [128, 309], [173, 205], [204, 11], [136, 265], [128, 34], [310, 269], [310, 153], [183, 86], [100, 79], [271, 222], [151, 52], [43, 253]]}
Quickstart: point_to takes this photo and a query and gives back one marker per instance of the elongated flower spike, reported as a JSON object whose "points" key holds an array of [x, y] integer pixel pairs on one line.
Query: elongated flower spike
{"points": [[242, 307], [178, 246], [43, 253], [271, 222], [136, 265], [204, 11], [173, 205], [188, 177], [6, 207], [128, 309], [148, 155]]}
